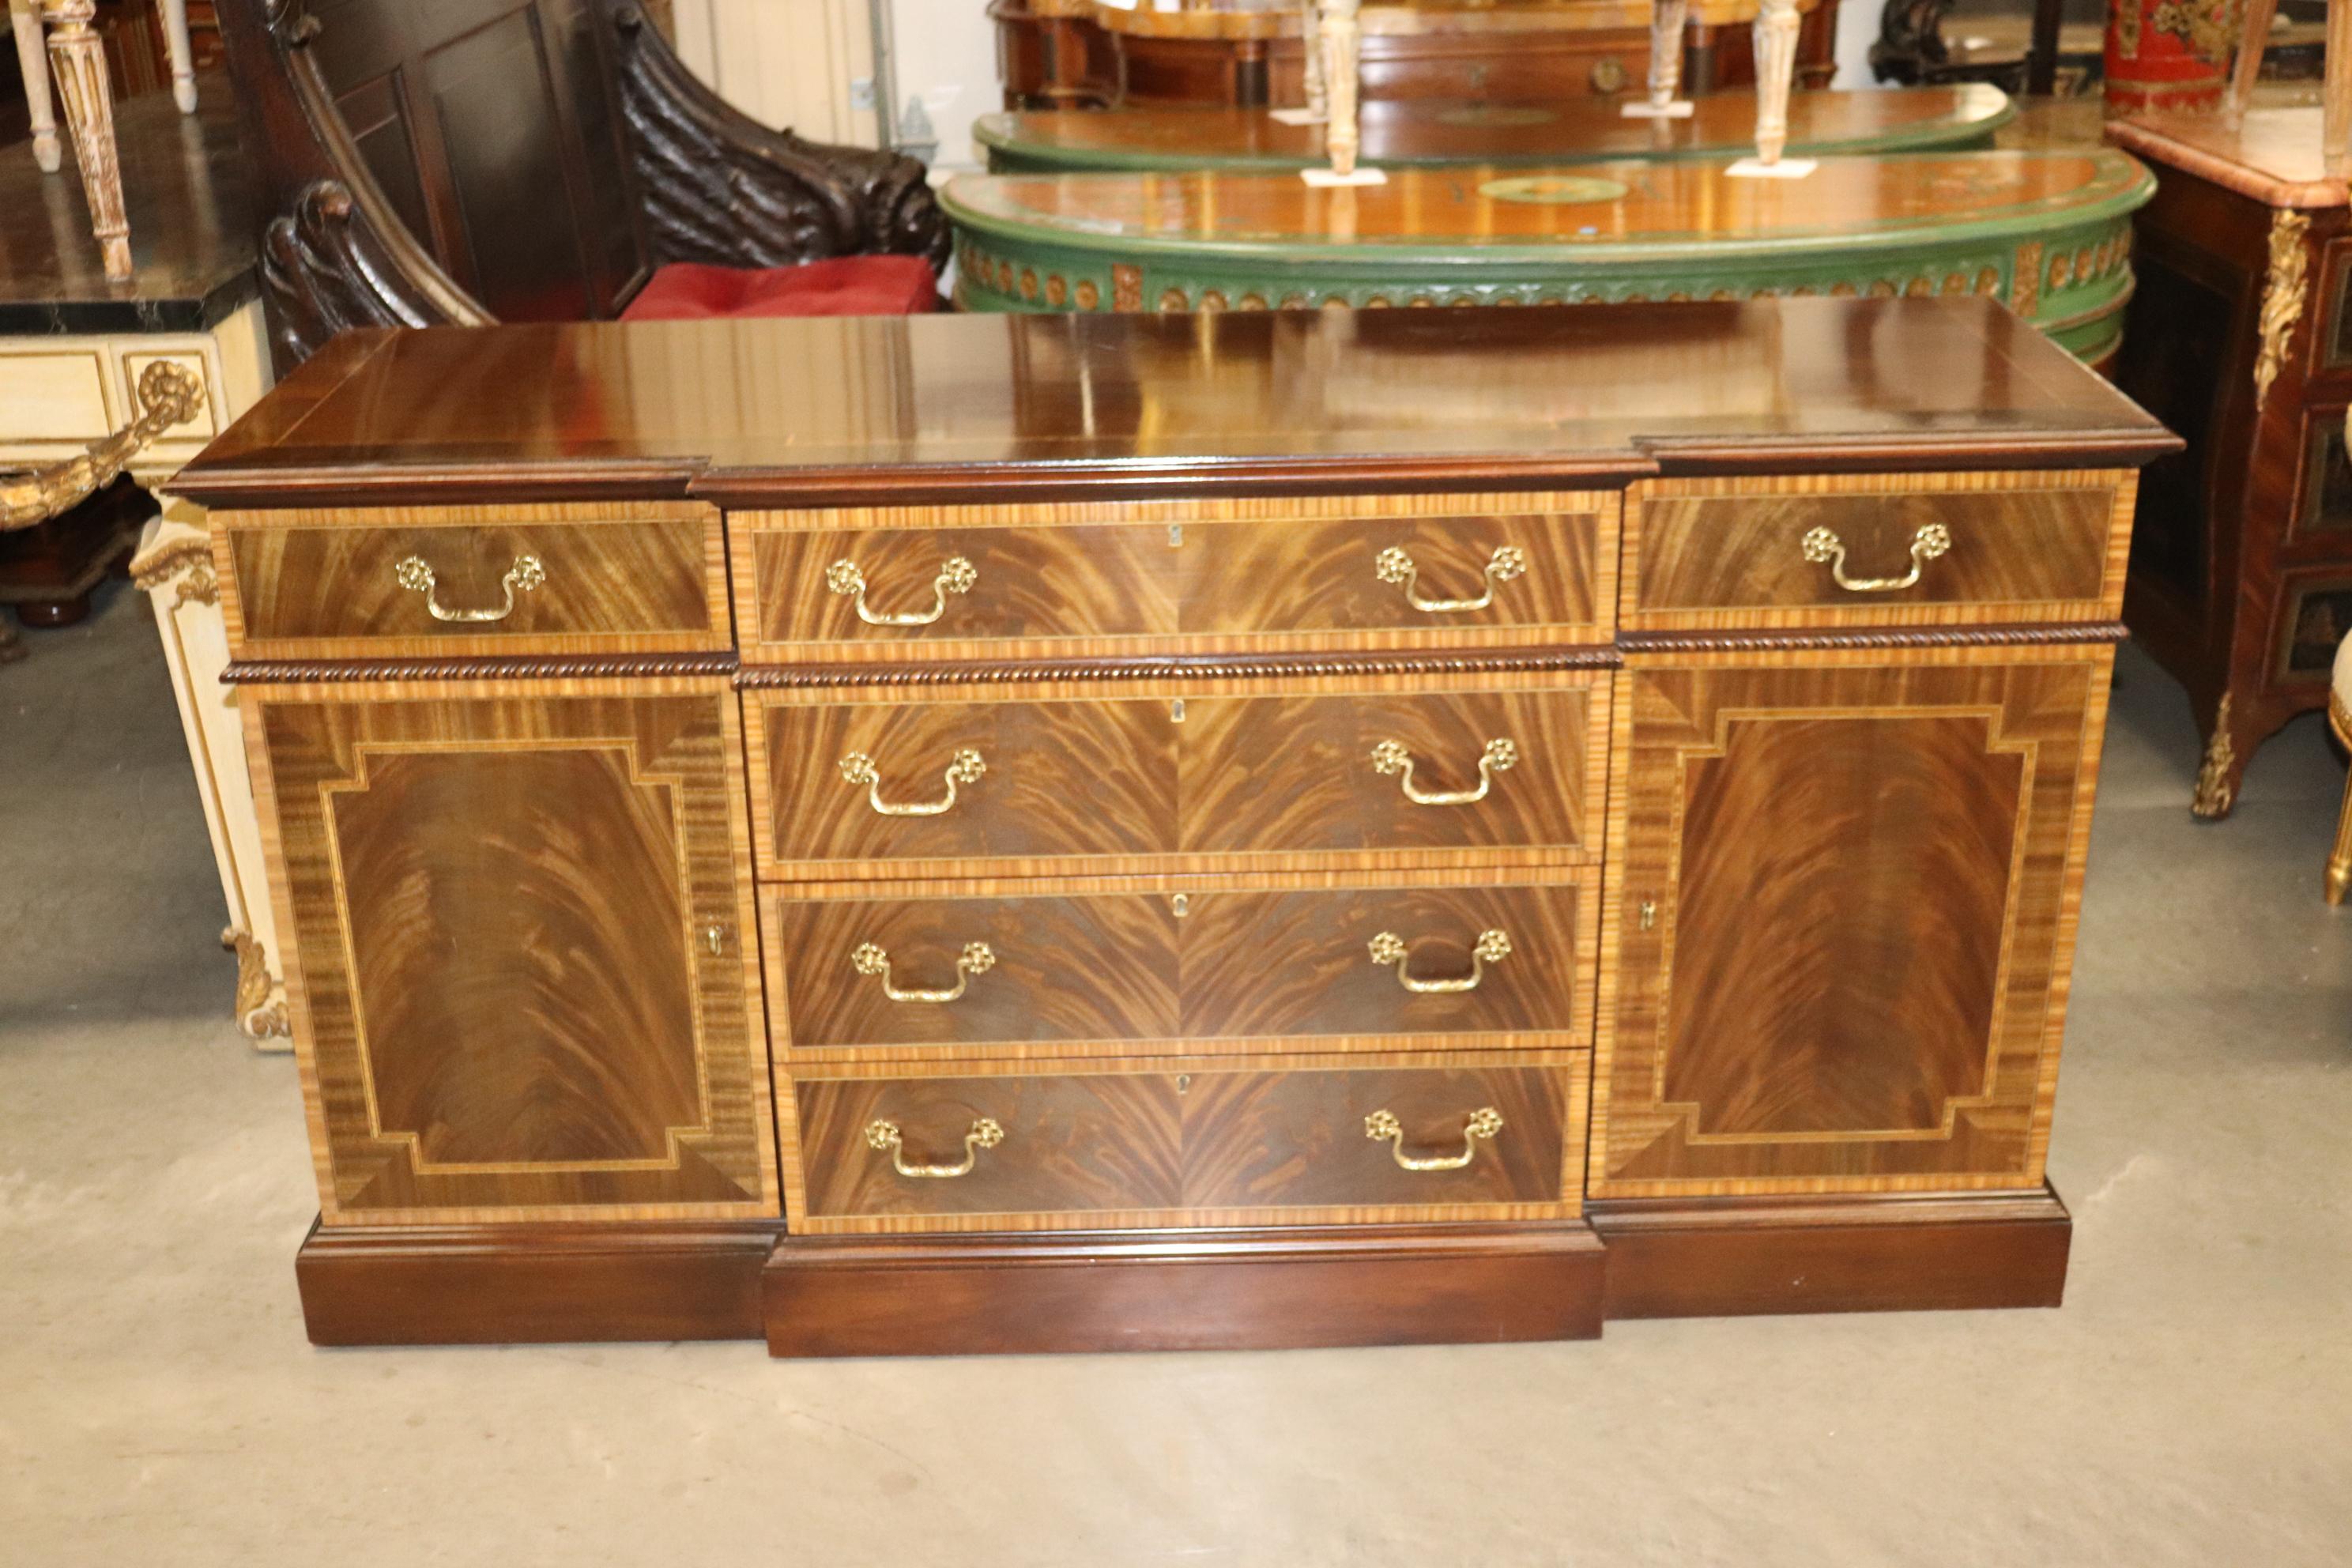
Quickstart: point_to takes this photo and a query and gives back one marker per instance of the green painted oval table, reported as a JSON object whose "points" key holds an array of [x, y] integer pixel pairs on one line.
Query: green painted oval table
{"points": [[1399, 133], [2046, 232]]}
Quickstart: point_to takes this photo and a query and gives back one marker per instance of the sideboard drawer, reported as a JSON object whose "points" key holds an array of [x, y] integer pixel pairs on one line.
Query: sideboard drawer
{"points": [[968, 581], [1184, 1142], [1128, 782], [1762, 553], [449, 581], [1066, 968]]}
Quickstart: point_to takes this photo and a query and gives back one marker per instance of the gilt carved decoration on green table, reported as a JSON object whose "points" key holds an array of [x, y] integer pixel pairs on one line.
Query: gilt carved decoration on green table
{"points": [[2049, 233], [1422, 133]]}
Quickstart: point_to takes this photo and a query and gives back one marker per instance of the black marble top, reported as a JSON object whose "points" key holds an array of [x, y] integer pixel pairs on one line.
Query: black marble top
{"points": [[187, 190]]}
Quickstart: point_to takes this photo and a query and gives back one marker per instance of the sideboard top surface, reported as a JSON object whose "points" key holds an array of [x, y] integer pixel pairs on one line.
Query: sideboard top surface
{"points": [[1077, 406]]}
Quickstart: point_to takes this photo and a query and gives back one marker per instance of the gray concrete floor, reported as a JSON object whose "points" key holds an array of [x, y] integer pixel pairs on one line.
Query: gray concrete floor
{"points": [[2192, 1404]]}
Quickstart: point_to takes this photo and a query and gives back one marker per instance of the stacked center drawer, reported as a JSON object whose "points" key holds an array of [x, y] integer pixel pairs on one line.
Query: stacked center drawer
{"points": [[1169, 864]]}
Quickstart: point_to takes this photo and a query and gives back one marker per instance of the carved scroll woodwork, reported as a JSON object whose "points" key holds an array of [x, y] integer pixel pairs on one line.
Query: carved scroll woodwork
{"points": [[169, 394], [2283, 292], [78, 61], [717, 187]]}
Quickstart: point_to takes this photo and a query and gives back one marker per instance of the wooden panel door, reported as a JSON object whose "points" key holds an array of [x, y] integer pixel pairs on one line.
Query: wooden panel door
{"points": [[1843, 918], [523, 964]]}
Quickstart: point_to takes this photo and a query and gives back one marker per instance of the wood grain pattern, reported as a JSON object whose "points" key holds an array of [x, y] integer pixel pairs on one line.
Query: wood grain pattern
{"points": [[523, 976], [1910, 828], [1285, 1288], [1183, 1141], [1157, 576], [627, 577], [2025, 547], [1119, 970], [1255, 774]]}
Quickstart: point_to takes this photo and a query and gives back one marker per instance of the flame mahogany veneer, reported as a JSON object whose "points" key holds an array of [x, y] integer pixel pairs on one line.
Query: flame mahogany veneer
{"points": [[991, 834]]}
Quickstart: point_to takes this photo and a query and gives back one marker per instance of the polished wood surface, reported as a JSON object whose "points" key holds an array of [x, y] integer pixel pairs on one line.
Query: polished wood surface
{"points": [[1239, 966], [2277, 156], [1158, 577], [1639, 203], [2019, 547], [1913, 833], [1408, 132], [1183, 1141], [328, 583], [1195, 1290], [1249, 774], [856, 410], [523, 974]]}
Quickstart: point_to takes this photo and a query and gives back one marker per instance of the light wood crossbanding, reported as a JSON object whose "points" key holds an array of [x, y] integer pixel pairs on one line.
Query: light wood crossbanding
{"points": [[1724, 553], [1205, 1140], [623, 578]]}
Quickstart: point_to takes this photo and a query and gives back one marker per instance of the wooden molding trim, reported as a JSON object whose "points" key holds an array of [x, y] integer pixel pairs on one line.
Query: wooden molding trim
{"points": [[1223, 668], [1891, 638], [264, 672]]}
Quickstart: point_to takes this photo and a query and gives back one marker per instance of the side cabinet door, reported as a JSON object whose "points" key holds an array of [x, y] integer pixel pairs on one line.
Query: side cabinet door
{"points": [[1846, 889], [523, 976]]}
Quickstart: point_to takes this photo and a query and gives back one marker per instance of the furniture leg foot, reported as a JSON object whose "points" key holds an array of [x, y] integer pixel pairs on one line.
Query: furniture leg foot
{"points": [[78, 60], [2218, 776], [46, 614]]}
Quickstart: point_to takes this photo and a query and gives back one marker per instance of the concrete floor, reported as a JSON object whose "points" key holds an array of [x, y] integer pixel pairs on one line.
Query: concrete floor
{"points": [[2192, 1404]]}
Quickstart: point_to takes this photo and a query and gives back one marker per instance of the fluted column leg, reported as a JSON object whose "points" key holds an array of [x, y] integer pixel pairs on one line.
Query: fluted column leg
{"points": [[1340, 136], [33, 60], [1310, 34], [1776, 62], [78, 59], [1666, 19]]}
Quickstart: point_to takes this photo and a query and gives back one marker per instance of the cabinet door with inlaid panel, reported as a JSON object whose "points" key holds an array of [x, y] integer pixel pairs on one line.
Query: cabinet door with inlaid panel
{"points": [[523, 964], [1843, 911]]}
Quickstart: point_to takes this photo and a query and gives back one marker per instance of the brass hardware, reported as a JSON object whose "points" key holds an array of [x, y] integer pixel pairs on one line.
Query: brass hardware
{"points": [[1393, 565], [1649, 913], [717, 937], [1483, 1122], [1390, 757], [1176, 712], [1183, 1083], [1389, 951], [2284, 287], [956, 576], [1175, 536], [977, 958], [984, 1134], [964, 768], [526, 574], [1822, 544], [1179, 905]]}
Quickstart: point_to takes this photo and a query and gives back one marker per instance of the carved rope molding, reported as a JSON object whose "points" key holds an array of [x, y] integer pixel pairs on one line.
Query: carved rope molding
{"points": [[169, 394], [2283, 296]]}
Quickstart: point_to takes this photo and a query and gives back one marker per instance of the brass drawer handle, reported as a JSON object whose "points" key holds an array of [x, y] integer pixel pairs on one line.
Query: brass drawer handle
{"points": [[977, 958], [1390, 757], [1393, 565], [984, 1134], [526, 574], [956, 576], [1823, 544], [1484, 1122], [1390, 952], [964, 768]]}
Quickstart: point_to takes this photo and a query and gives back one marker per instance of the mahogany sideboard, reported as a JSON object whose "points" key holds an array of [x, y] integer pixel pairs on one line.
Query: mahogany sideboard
{"points": [[1018, 834]]}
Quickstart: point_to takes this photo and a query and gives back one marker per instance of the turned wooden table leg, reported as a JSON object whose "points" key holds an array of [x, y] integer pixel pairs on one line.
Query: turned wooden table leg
{"points": [[78, 60], [1310, 34], [1776, 61], [33, 60], [1666, 19], [184, 67], [1340, 137], [2249, 58]]}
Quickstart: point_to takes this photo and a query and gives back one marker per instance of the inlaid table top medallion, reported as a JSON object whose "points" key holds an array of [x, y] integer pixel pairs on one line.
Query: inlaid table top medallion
{"points": [[1418, 133]]}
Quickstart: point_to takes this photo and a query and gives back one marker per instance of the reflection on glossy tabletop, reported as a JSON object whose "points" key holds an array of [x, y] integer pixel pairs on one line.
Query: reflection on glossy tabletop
{"points": [[727, 408], [2276, 155], [1421, 130], [190, 202], [1646, 204]]}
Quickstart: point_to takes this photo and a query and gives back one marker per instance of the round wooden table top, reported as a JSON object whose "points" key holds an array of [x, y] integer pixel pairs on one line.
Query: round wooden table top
{"points": [[1425, 133], [1572, 213]]}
